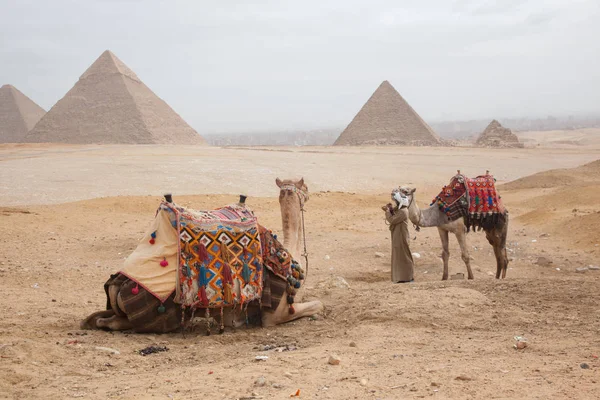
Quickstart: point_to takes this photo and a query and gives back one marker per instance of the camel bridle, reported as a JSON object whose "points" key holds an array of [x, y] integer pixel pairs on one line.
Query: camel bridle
{"points": [[302, 197]]}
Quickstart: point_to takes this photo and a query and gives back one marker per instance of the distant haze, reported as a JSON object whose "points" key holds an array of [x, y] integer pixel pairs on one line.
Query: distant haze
{"points": [[282, 65]]}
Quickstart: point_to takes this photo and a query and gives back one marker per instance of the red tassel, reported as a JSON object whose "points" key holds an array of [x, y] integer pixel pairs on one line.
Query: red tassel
{"points": [[227, 278], [245, 252], [202, 252], [291, 309], [135, 290], [164, 262], [203, 297], [152, 241]]}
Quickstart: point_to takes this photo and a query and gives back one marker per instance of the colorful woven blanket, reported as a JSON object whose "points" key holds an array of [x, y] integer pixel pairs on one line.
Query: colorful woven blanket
{"points": [[475, 199], [220, 260], [277, 259]]}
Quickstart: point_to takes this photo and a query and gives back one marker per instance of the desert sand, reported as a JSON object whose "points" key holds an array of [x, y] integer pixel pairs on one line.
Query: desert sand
{"points": [[70, 214]]}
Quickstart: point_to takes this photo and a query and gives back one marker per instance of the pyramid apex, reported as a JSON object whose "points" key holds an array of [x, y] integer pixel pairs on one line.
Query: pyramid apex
{"points": [[108, 63]]}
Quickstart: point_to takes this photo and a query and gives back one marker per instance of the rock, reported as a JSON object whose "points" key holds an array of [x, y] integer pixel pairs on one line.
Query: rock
{"points": [[339, 282], [277, 385], [435, 384], [327, 257], [490, 273], [352, 344], [463, 378], [288, 375], [363, 382], [543, 261], [520, 345], [379, 254], [594, 267], [260, 381], [459, 275], [108, 349], [581, 270], [584, 366], [416, 255], [544, 235], [334, 359]]}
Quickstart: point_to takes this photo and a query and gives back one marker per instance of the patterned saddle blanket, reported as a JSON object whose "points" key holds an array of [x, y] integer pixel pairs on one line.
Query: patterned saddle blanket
{"points": [[476, 199], [211, 259]]}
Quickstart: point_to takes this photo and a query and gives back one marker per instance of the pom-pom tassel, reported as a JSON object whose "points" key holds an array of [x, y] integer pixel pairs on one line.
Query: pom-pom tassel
{"points": [[246, 272], [203, 297], [152, 237], [227, 293], [164, 262], [202, 252], [135, 290]]}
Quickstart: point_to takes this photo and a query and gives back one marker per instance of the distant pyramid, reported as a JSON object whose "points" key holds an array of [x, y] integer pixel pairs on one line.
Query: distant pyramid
{"points": [[18, 114], [386, 118], [495, 135], [109, 104]]}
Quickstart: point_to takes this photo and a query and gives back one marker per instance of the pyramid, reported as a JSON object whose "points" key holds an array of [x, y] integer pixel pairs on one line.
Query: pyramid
{"points": [[495, 135], [386, 118], [110, 104], [18, 114]]}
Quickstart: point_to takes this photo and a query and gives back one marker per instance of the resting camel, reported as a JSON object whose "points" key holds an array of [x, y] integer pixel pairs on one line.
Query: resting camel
{"points": [[131, 306], [496, 230], [292, 197]]}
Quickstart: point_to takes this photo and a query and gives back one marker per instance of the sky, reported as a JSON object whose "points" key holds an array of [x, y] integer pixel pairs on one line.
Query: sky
{"points": [[234, 66]]}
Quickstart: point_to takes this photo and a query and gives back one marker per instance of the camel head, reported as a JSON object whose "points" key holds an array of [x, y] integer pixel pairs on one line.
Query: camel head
{"points": [[403, 195], [292, 192]]}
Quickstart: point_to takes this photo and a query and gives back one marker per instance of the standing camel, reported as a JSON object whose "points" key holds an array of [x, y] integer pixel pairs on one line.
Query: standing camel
{"points": [[292, 196], [496, 230]]}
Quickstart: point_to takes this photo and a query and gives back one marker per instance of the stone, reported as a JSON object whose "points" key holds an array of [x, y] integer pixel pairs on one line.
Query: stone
{"points": [[543, 261], [108, 349], [416, 255], [260, 381], [288, 375], [581, 270], [339, 282], [379, 254], [352, 344], [277, 385], [594, 267], [463, 378], [459, 275], [584, 366], [334, 359], [363, 382]]}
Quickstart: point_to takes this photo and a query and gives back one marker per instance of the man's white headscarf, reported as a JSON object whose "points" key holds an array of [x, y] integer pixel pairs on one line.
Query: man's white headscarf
{"points": [[400, 199]]}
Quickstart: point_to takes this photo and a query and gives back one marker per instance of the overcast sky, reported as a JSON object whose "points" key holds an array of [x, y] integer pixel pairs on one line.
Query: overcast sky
{"points": [[262, 65]]}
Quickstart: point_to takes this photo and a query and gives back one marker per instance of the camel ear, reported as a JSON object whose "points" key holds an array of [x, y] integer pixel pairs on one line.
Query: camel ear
{"points": [[414, 190], [278, 182], [300, 183]]}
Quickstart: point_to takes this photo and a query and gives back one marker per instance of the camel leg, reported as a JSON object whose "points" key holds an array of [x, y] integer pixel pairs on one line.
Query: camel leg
{"points": [[461, 237], [498, 242], [281, 314], [114, 323], [445, 251], [91, 322]]}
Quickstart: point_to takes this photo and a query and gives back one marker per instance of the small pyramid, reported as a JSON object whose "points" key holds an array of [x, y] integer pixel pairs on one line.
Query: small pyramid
{"points": [[111, 105], [495, 135], [18, 114], [386, 118]]}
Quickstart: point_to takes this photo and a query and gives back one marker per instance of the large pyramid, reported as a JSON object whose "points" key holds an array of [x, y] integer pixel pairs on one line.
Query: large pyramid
{"points": [[110, 104], [18, 114], [495, 135], [386, 118]]}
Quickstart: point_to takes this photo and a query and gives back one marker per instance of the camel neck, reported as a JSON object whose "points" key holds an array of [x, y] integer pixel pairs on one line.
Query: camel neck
{"points": [[431, 216]]}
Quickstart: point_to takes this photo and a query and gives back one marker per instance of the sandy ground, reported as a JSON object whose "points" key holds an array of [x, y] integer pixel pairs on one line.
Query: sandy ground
{"points": [[69, 215]]}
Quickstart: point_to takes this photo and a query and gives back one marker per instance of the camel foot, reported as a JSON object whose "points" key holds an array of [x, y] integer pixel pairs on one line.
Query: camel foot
{"points": [[282, 315], [91, 322], [114, 323]]}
